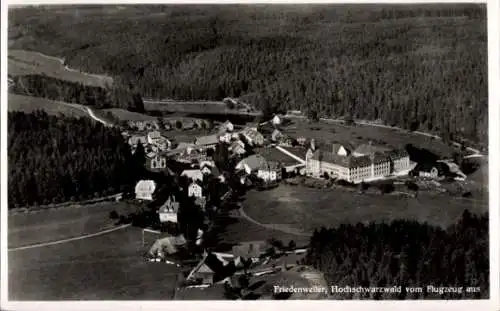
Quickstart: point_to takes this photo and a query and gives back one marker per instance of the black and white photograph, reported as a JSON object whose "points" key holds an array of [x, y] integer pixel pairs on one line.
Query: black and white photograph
{"points": [[247, 151]]}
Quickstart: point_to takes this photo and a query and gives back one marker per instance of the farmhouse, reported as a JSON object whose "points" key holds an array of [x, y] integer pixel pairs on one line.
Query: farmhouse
{"points": [[168, 211], [252, 136], [144, 190], [210, 270], [372, 164], [195, 190], [252, 163], [156, 163]]}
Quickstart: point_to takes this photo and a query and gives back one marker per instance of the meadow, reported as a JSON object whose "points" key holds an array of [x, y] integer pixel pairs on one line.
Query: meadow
{"points": [[29, 104], [23, 62], [307, 209]]}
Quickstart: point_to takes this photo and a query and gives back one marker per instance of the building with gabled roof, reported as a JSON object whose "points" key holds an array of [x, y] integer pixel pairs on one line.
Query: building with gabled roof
{"points": [[145, 189], [210, 270], [252, 163], [168, 211], [252, 136], [156, 163]]}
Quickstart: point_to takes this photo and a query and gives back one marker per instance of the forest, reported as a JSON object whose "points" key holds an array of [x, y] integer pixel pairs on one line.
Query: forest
{"points": [[405, 253], [421, 66], [54, 159]]}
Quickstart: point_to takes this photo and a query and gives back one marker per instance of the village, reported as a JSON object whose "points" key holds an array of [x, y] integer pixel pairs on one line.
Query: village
{"points": [[212, 169]]}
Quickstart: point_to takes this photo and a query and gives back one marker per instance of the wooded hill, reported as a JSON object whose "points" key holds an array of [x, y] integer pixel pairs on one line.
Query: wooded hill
{"points": [[405, 253], [415, 66], [54, 159]]}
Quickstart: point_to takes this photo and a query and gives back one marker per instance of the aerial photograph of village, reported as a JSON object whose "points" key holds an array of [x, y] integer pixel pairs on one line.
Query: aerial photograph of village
{"points": [[248, 152]]}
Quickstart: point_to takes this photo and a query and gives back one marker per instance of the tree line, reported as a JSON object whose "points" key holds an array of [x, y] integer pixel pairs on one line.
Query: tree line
{"points": [[54, 159], [405, 253]]}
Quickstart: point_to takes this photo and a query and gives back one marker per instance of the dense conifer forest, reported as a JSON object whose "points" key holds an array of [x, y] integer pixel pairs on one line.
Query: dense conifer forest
{"points": [[53, 159], [405, 253], [414, 66]]}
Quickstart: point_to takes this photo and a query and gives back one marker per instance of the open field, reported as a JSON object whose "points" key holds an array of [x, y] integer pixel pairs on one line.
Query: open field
{"points": [[355, 135], [242, 230], [108, 267], [62, 223], [22, 62], [306, 209], [125, 115], [29, 104]]}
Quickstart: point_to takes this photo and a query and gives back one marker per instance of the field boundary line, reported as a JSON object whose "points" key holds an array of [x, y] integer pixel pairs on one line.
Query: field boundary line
{"points": [[82, 237]]}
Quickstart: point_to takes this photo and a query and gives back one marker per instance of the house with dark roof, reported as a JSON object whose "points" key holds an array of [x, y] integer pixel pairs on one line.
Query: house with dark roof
{"points": [[210, 270], [168, 211]]}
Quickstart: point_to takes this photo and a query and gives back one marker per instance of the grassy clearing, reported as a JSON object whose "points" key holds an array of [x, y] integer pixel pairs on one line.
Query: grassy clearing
{"points": [[242, 230], [307, 209], [22, 62], [324, 132], [110, 266], [125, 115], [29, 104], [61, 223]]}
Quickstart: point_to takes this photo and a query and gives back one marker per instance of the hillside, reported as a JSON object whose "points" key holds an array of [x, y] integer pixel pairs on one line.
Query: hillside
{"points": [[32, 63], [28, 104], [415, 66]]}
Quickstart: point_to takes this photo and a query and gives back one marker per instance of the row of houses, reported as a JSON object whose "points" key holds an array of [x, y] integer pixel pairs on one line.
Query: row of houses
{"points": [[168, 124]]}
